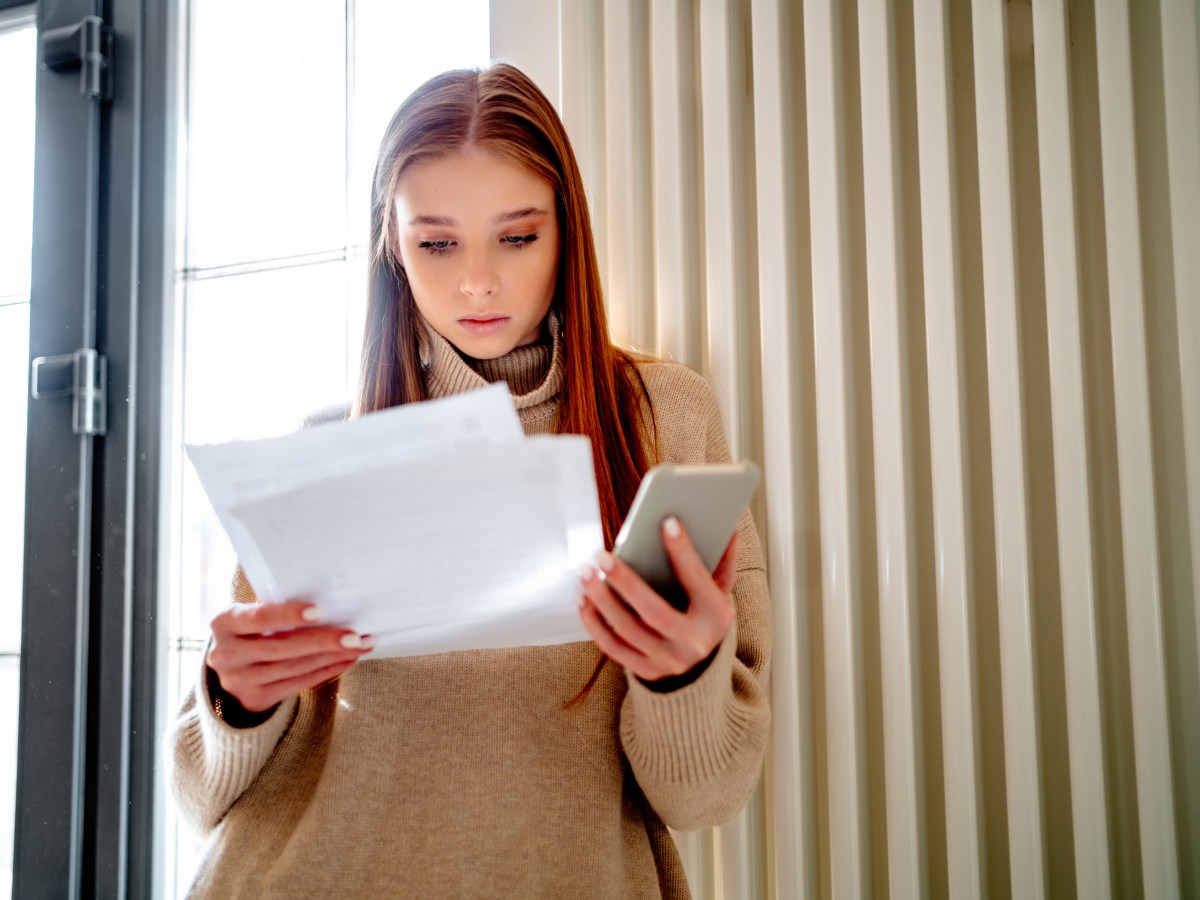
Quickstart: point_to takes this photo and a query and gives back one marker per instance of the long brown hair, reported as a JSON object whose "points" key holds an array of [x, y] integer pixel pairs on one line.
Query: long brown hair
{"points": [[501, 110]]}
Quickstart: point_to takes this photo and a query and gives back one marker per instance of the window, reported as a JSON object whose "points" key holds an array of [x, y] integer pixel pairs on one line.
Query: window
{"points": [[17, 43], [281, 119]]}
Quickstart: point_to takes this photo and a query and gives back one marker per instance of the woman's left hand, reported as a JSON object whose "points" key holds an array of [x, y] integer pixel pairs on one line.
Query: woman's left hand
{"points": [[637, 628]]}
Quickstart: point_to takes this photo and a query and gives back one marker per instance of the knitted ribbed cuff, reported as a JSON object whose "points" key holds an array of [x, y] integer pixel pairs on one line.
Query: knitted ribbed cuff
{"points": [[234, 756], [689, 734]]}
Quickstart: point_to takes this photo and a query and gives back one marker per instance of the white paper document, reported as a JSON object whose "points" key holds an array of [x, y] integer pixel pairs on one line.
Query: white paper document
{"points": [[434, 526]]}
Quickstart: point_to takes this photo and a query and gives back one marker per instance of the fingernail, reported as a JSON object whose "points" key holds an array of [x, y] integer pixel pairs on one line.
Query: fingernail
{"points": [[586, 573], [369, 641], [605, 560], [351, 641], [671, 526], [312, 614]]}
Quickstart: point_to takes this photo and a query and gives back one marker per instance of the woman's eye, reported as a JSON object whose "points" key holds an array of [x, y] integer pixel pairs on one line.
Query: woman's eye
{"points": [[519, 240], [435, 246]]}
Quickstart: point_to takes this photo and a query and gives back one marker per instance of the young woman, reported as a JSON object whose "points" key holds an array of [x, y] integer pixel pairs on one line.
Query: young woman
{"points": [[529, 772]]}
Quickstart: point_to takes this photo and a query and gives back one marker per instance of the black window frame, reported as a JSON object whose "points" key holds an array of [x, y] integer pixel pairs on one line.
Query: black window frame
{"points": [[102, 278]]}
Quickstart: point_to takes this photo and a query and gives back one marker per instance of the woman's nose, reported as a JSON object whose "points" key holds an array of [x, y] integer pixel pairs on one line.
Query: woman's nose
{"points": [[479, 278]]}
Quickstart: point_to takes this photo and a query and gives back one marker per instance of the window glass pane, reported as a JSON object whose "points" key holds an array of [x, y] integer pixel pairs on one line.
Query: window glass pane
{"points": [[266, 130], [356, 310], [17, 71], [14, 391], [397, 46], [10, 675], [263, 350]]}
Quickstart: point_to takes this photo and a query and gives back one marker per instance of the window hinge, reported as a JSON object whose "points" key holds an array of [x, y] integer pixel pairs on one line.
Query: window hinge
{"points": [[87, 46], [82, 376]]}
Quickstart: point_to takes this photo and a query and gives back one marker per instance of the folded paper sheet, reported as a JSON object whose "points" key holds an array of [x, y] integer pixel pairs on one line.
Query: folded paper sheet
{"points": [[435, 526]]}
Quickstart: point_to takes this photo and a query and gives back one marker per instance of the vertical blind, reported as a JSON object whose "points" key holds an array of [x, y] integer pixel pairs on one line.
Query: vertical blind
{"points": [[941, 261]]}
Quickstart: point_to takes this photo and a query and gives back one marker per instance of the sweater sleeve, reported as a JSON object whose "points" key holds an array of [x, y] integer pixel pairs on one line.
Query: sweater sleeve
{"points": [[697, 751], [210, 763]]}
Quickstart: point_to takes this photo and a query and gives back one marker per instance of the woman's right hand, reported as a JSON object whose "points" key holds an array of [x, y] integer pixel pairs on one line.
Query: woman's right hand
{"points": [[265, 652]]}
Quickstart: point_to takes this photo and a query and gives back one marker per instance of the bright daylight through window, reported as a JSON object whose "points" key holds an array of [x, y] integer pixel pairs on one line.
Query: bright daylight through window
{"points": [[17, 42]]}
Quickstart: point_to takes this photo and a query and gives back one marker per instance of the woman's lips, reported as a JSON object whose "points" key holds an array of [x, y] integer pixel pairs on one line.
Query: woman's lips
{"points": [[483, 324]]}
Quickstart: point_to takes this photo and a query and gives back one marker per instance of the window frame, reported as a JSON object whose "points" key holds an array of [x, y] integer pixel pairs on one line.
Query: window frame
{"points": [[102, 266]]}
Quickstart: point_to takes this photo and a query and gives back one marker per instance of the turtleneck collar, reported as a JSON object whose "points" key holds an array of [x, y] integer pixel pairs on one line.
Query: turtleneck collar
{"points": [[533, 373]]}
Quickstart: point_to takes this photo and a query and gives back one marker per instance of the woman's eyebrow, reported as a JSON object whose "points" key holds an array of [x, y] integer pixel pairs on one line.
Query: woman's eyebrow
{"points": [[432, 220], [526, 213]]}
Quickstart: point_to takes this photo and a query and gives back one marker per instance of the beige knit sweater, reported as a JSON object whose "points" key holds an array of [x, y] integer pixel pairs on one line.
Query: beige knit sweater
{"points": [[462, 774]]}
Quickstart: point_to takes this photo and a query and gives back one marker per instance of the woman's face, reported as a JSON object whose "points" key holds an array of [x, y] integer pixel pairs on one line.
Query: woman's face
{"points": [[479, 242]]}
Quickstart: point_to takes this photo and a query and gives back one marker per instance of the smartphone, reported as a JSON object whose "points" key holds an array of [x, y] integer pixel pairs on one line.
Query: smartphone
{"points": [[708, 499]]}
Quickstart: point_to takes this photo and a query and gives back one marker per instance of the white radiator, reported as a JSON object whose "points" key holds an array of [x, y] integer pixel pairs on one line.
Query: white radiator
{"points": [[942, 262]]}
